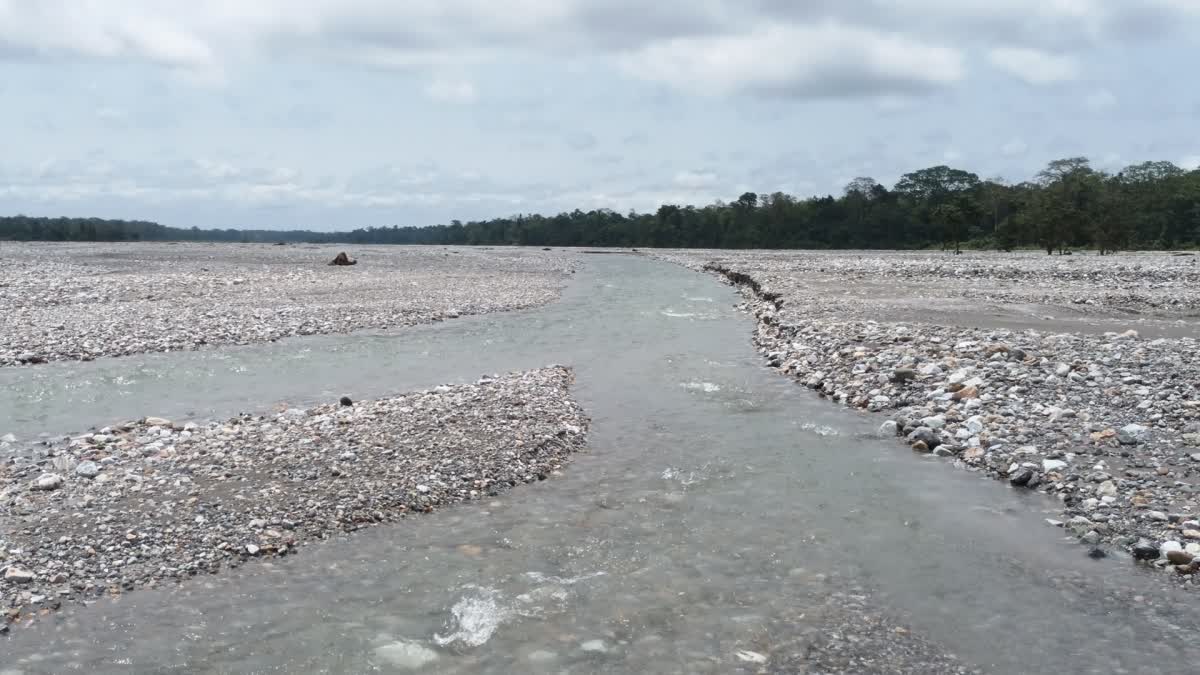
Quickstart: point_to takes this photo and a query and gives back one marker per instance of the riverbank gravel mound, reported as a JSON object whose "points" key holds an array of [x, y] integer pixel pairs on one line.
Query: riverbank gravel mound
{"points": [[151, 502], [1084, 408], [82, 301]]}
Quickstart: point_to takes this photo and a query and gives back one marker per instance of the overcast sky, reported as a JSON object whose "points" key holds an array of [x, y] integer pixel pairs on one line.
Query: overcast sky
{"points": [[333, 114]]}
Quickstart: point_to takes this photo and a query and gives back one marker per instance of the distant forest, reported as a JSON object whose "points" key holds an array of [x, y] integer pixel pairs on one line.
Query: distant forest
{"points": [[1069, 204]]}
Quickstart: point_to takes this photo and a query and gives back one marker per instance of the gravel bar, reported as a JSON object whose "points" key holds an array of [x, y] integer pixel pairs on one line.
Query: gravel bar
{"points": [[1083, 408], [83, 301], [150, 502]]}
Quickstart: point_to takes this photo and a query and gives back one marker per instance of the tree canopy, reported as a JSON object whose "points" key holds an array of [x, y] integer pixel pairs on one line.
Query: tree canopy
{"points": [[1152, 205]]}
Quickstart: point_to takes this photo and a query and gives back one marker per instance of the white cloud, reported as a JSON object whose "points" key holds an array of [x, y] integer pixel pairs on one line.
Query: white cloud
{"points": [[451, 91], [1191, 162], [1034, 66], [826, 60]]}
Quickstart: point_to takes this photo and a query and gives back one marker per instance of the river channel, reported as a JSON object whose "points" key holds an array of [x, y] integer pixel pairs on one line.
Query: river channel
{"points": [[721, 514]]}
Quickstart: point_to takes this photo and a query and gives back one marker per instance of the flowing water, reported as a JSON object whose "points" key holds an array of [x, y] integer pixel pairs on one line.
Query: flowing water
{"points": [[720, 509]]}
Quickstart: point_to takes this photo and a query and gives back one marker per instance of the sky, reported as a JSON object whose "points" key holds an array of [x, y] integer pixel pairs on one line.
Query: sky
{"points": [[335, 114]]}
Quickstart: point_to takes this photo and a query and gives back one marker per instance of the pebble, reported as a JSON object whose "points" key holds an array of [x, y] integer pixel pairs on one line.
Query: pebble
{"points": [[166, 504], [1108, 424], [182, 296], [87, 469], [48, 481]]}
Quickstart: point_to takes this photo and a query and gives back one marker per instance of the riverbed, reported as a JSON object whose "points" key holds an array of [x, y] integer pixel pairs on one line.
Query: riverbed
{"points": [[723, 520]]}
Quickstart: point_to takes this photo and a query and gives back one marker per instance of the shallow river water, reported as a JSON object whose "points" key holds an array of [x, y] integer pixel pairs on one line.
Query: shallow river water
{"points": [[720, 510]]}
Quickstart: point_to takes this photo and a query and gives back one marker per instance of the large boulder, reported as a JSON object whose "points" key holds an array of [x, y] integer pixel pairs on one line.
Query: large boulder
{"points": [[343, 259]]}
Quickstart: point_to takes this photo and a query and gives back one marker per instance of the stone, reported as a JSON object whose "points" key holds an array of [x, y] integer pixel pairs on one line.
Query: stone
{"points": [[1062, 370], [1097, 554], [920, 446], [342, 259], [934, 422], [8, 438], [974, 424], [16, 575], [345, 401], [48, 481], [1049, 465], [904, 375], [889, 429], [1191, 534], [1132, 434], [973, 453], [541, 656], [1180, 557], [1145, 550], [966, 393], [407, 655], [158, 422], [1190, 439], [1022, 477], [252, 549], [87, 469], [1107, 489], [925, 435]]}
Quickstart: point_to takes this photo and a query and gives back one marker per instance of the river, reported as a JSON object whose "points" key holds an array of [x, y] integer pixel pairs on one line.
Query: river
{"points": [[721, 510]]}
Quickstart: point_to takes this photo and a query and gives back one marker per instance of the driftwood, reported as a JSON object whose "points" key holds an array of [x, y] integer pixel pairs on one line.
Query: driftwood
{"points": [[343, 259]]}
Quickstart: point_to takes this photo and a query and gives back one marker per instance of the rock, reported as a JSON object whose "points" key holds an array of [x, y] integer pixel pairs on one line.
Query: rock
{"points": [[541, 656], [1157, 516], [904, 375], [1049, 465], [16, 575], [1107, 489], [252, 549], [966, 393], [407, 655], [924, 435], [345, 401], [157, 422], [48, 481], [1022, 477], [1190, 439], [920, 446], [343, 259], [1180, 557], [8, 438], [1132, 434], [934, 422], [1145, 550], [1062, 370], [87, 470], [1097, 554], [973, 453], [888, 429], [1091, 537], [1191, 534]]}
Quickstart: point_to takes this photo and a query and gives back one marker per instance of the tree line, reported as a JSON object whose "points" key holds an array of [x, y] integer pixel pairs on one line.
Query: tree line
{"points": [[1068, 204]]}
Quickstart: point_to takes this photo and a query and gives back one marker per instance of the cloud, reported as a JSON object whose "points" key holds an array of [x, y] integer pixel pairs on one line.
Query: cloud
{"points": [[826, 60], [451, 91], [581, 140], [1034, 66]]}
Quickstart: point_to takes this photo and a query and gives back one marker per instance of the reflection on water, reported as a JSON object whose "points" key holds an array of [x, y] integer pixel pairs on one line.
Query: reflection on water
{"points": [[721, 515]]}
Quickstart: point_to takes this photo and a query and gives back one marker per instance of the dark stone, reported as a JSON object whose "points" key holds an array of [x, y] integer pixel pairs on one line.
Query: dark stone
{"points": [[1021, 478], [1145, 550], [1097, 554], [346, 401], [925, 435], [343, 259], [904, 375]]}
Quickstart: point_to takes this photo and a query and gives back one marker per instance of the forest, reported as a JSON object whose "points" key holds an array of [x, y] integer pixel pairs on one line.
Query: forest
{"points": [[1067, 205]]}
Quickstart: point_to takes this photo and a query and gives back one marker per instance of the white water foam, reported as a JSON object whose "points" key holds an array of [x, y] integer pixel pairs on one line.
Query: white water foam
{"points": [[706, 387], [475, 618], [819, 429]]}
